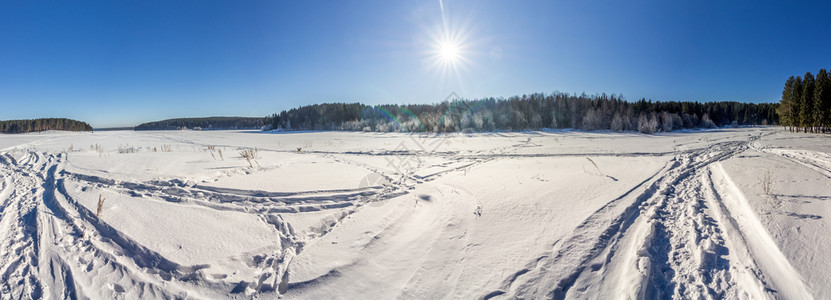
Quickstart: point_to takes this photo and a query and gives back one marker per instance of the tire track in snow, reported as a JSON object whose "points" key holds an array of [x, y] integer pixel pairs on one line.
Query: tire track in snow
{"points": [[683, 254], [680, 249], [274, 275], [249, 201], [62, 239], [268, 206], [552, 273], [638, 244]]}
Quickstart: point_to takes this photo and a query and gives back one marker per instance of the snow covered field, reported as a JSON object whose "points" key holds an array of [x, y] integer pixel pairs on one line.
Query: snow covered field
{"points": [[322, 215]]}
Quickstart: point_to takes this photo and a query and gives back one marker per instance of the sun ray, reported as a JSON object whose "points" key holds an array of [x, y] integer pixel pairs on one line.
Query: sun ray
{"points": [[450, 50]]}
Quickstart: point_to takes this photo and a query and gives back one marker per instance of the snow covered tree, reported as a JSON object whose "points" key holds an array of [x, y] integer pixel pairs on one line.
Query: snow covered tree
{"points": [[525, 112], [593, 120], [617, 122], [648, 125]]}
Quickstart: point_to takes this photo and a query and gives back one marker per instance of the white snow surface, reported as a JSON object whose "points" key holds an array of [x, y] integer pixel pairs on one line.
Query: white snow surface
{"points": [[348, 215]]}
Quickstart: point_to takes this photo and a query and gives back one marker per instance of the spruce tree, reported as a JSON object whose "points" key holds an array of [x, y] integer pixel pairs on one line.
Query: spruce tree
{"points": [[806, 110], [822, 92], [786, 104], [796, 96]]}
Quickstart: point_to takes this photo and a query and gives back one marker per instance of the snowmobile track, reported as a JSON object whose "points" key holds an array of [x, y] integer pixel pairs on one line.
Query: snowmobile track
{"points": [[672, 236]]}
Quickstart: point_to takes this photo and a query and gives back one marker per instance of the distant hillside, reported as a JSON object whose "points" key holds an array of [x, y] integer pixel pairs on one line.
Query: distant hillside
{"points": [[24, 126], [210, 123]]}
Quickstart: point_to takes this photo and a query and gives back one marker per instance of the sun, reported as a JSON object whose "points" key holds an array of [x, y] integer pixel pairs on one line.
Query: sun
{"points": [[449, 52]]}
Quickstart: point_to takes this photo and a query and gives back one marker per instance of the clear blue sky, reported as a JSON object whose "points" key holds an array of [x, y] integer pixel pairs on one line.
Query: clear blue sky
{"points": [[120, 63]]}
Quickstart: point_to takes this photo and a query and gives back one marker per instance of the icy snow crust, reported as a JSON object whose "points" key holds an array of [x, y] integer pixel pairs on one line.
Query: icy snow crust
{"points": [[321, 215]]}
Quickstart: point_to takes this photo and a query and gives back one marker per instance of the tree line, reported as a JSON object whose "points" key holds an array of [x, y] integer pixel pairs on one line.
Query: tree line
{"points": [[806, 103], [209, 123], [526, 112], [37, 125]]}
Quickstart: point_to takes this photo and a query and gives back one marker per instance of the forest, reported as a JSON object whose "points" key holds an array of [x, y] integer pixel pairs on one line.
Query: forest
{"points": [[806, 103], [527, 112], [37, 125], [209, 123]]}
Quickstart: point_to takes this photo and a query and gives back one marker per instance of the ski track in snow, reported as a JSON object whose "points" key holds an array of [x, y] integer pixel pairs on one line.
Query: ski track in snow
{"points": [[685, 232]]}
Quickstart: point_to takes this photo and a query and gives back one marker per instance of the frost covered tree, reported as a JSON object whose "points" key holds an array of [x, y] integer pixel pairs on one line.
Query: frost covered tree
{"points": [[534, 111], [706, 122], [593, 120], [535, 122], [648, 125], [617, 122], [666, 122]]}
